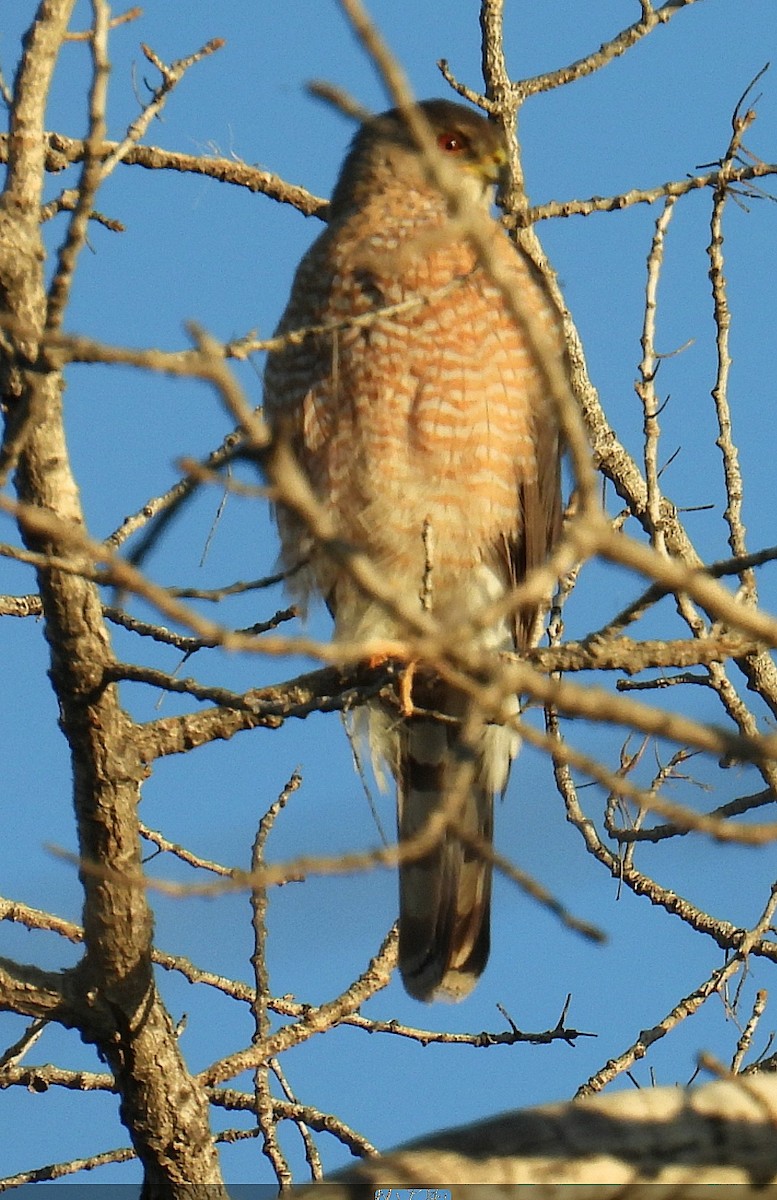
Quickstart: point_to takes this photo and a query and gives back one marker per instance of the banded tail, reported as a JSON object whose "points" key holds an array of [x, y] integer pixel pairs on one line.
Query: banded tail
{"points": [[445, 897]]}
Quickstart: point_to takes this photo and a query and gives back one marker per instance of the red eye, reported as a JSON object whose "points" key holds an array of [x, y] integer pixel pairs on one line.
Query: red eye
{"points": [[452, 143]]}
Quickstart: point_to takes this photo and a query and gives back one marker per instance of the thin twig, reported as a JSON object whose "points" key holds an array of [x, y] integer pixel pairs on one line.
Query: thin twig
{"points": [[646, 385], [90, 180], [686, 1007], [746, 1038], [260, 1005], [171, 77]]}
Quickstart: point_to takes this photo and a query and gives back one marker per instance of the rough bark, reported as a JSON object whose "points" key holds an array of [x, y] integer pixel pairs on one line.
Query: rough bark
{"points": [[628, 1144]]}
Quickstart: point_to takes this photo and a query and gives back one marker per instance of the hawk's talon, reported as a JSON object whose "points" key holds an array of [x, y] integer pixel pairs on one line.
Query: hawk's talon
{"points": [[406, 673], [406, 705]]}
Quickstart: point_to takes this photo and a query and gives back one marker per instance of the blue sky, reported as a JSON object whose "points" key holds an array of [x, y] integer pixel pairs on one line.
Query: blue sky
{"points": [[194, 249]]}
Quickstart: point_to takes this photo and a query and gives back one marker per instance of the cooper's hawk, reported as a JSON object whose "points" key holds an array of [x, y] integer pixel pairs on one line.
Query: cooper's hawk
{"points": [[429, 434]]}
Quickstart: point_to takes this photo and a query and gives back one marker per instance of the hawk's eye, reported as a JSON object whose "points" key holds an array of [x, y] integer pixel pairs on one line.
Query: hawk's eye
{"points": [[452, 142]]}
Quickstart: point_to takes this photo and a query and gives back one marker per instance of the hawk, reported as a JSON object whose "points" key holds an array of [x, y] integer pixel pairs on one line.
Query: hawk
{"points": [[429, 434]]}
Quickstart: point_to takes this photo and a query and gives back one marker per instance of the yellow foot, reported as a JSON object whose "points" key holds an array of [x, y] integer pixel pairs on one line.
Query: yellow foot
{"points": [[405, 684], [406, 689]]}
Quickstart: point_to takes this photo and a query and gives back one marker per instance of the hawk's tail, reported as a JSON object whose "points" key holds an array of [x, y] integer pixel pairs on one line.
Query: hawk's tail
{"points": [[445, 896]]}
